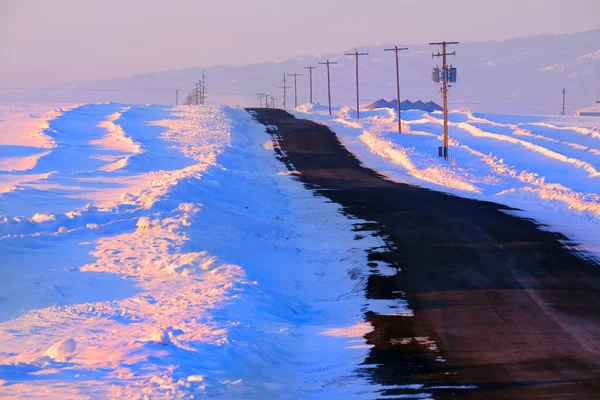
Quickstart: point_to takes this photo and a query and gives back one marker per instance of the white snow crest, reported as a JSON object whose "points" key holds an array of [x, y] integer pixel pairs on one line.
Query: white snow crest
{"points": [[60, 351], [398, 155], [198, 269], [116, 140], [201, 134], [547, 166], [142, 238]]}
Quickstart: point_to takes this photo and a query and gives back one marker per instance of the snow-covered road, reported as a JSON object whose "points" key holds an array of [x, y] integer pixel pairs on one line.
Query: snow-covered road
{"points": [[149, 251]]}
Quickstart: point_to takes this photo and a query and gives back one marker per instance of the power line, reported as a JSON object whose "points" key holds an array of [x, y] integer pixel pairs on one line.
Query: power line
{"points": [[356, 54], [545, 105], [397, 49]]}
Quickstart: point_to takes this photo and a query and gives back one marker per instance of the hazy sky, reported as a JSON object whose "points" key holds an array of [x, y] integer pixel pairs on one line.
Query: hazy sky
{"points": [[55, 41]]}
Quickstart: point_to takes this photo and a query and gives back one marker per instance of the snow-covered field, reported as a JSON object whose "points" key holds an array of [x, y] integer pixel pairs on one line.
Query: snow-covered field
{"points": [[150, 251], [548, 167], [160, 252]]}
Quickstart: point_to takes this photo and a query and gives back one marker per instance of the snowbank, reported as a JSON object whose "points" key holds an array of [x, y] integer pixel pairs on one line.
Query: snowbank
{"points": [[546, 166], [198, 267]]}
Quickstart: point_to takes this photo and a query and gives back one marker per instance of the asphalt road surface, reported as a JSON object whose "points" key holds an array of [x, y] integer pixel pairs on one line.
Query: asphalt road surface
{"points": [[498, 303]]}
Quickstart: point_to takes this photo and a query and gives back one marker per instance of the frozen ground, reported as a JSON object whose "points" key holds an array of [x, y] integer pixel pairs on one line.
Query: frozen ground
{"points": [[166, 252], [150, 251], [546, 166]]}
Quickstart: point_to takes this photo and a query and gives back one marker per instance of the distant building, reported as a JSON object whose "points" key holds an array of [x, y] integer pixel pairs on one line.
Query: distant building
{"points": [[593, 111], [406, 105]]}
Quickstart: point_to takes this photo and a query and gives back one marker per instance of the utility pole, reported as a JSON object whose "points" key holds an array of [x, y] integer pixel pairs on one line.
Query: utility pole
{"points": [[310, 68], [203, 94], [260, 96], [200, 90], [356, 54], [564, 91], [273, 101], [328, 63], [443, 54], [295, 88], [284, 87], [398, 49]]}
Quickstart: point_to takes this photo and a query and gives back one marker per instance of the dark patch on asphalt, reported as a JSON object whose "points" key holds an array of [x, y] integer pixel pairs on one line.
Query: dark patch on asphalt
{"points": [[509, 307]]}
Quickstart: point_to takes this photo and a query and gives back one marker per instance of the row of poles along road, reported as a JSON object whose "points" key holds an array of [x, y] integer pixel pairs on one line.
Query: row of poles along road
{"points": [[442, 151], [198, 94]]}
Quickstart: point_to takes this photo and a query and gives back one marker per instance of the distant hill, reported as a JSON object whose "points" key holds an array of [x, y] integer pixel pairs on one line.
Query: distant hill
{"points": [[512, 76]]}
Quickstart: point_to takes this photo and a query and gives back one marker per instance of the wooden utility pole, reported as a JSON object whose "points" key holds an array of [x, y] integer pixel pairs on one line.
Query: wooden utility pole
{"points": [[398, 49], [203, 91], [356, 54], [273, 101], [295, 88], [200, 89], [310, 68], [443, 54], [260, 96], [328, 63], [564, 91], [284, 87]]}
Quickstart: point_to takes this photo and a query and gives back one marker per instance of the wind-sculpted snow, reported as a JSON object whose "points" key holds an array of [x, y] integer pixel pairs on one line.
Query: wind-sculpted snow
{"points": [[546, 166], [166, 253], [116, 140], [24, 140]]}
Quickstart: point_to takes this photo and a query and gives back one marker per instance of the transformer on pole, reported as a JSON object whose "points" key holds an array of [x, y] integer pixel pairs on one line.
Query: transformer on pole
{"points": [[446, 75]]}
